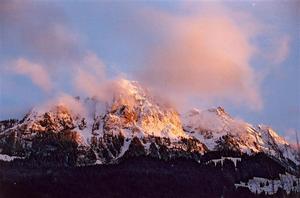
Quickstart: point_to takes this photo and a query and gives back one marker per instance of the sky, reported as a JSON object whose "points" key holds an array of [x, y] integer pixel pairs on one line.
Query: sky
{"points": [[242, 55]]}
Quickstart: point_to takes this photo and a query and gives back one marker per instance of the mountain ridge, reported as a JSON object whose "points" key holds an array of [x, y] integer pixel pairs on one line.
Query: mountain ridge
{"points": [[76, 132], [139, 115]]}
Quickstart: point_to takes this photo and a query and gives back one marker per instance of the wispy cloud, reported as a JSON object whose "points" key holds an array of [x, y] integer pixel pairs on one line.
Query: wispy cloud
{"points": [[36, 72], [90, 75]]}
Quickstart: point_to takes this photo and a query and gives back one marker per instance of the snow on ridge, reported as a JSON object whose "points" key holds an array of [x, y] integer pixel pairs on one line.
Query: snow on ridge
{"points": [[208, 126]]}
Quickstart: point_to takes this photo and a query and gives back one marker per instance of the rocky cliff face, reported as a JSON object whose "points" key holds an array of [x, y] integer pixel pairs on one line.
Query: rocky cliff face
{"points": [[135, 124]]}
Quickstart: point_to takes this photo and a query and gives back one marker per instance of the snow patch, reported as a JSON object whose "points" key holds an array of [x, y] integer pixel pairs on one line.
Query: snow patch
{"points": [[9, 158], [287, 182], [233, 159], [125, 147]]}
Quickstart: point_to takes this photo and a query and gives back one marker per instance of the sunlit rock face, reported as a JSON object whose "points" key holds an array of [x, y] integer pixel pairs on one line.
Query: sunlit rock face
{"points": [[104, 131], [137, 111], [133, 123]]}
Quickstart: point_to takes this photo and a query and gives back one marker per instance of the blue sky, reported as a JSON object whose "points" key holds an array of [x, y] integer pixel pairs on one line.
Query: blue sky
{"points": [[57, 35]]}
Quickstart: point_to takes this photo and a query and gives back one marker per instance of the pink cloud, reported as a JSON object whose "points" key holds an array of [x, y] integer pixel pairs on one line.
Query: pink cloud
{"points": [[63, 99], [90, 75], [206, 56], [36, 72], [90, 79]]}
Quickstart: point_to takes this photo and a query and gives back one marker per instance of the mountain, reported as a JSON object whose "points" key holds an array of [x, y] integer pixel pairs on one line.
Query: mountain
{"points": [[133, 124]]}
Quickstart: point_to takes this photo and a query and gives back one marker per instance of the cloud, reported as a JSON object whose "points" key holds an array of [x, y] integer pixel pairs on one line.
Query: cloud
{"points": [[91, 80], [63, 99], [203, 53], [206, 56], [38, 29], [40, 32], [90, 76], [36, 72]]}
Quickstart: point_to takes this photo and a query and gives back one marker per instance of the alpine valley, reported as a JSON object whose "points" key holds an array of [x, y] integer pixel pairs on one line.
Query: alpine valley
{"points": [[136, 146]]}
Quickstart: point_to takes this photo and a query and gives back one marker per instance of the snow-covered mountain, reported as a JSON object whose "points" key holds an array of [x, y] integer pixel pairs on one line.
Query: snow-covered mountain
{"points": [[133, 113], [212, 125], [74, 131]]}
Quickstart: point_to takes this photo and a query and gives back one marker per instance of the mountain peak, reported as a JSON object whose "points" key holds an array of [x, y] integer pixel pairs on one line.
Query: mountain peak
{"points": [[220, 111], [134, 114]]}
